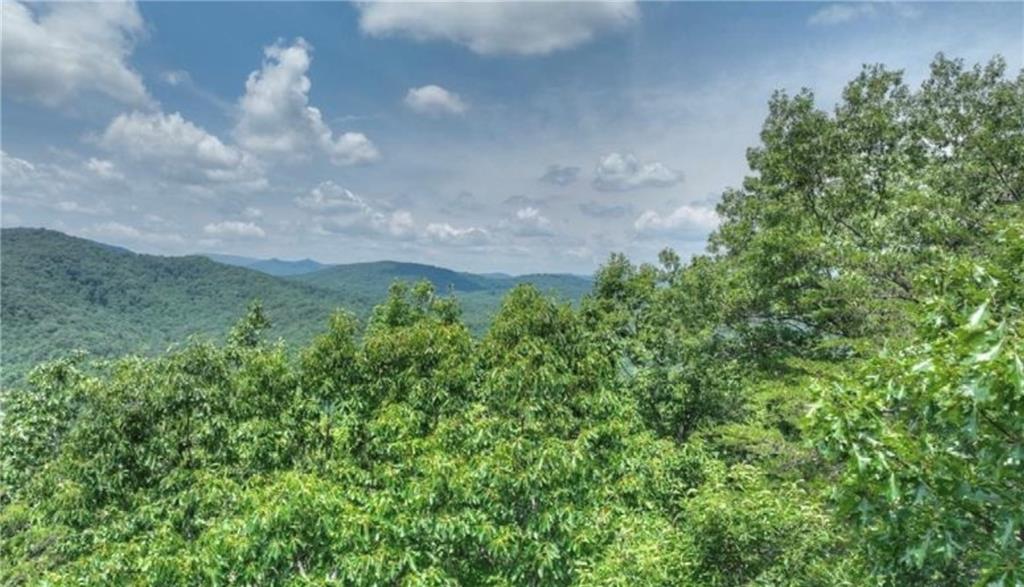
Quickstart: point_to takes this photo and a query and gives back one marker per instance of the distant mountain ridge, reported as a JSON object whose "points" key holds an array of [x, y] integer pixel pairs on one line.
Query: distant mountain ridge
{"points": [[366, 283], [62, 292], [477, 293], [439, 276], [334, 276], [273, 266]]}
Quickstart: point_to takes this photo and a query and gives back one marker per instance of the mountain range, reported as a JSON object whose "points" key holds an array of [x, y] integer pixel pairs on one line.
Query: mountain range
{"points": [[62, 293]]}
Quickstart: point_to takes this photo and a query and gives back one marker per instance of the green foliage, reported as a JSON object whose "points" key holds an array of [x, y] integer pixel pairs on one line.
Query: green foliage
{"points": [[872, 266], [932, 438], [415, 456], [845, 211]]}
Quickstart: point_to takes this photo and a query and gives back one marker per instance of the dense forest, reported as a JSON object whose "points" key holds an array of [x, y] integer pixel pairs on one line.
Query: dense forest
{"points": [[832, 395], [63, 293]]}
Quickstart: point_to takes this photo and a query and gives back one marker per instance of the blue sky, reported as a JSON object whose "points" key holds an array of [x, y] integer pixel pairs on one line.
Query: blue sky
{"points": [[500, 136]]}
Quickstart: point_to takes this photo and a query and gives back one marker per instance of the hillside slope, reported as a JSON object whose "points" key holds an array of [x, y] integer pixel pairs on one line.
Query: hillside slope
{"points": [[61, 293]]}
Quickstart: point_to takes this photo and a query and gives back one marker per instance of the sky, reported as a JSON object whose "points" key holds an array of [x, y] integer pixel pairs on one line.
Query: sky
{"points": [[498, 136]]}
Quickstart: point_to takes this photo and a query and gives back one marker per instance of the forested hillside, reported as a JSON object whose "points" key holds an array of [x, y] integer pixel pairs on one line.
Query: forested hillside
{"points": [[62, 293], [832, 395]]}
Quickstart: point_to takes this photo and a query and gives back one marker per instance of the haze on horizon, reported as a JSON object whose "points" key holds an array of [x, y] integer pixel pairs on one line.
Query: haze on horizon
{"points": [[431, 133]]}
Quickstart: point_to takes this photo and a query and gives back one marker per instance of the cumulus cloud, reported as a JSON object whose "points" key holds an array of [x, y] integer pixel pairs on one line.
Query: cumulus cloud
{"points": [[562, 175], [180, 150], [445, 233], [617, 172], [340, 211], [492, 28], [234, 228], [434, 101], [275, 117], [53, 52], [396, 224], [686, 221], [528, 222], [329, 196]]}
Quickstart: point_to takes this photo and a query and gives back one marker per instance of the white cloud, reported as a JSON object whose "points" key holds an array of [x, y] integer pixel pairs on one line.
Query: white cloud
{"points": [[340, 211], [115, 229], [531, 214], [398, 224], [52, 186], [687, 221], [528, 222], [234, 228], [47, 186], [840, 13], [103, 168], [73, 206], [834, 14], [127, 233], [14, 169], [276, 118], [617, 172], [489, 28], [53, 52], [252, 213], [445, 233], [329, 196], [180, 150], [434, 101], [176, 77]]}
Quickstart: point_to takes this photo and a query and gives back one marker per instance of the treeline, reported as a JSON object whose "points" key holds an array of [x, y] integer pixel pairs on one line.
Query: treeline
{"points": [[833, 395]]}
